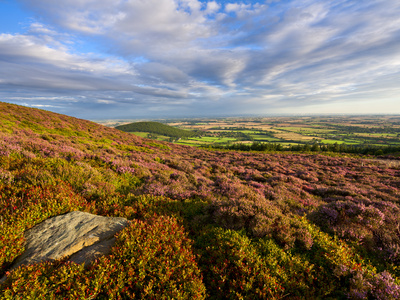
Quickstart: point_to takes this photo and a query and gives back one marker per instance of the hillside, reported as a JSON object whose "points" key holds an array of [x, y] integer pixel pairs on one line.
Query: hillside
{"points": [[156, 128], [204, 224]]}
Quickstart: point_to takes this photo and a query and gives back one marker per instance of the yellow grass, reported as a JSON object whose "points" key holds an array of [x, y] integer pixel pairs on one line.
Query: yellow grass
{"points": [[293, 136]]}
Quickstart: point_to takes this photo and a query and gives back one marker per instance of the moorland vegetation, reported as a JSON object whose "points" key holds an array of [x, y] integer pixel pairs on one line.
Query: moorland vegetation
{"points": [[204, 224]]}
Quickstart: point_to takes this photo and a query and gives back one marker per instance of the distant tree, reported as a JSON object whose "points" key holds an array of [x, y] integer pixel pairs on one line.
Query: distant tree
{"points": [[315, 147], [336, 147]]}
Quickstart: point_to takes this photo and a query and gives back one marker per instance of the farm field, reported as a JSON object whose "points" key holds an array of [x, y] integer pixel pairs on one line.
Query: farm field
{"points": [[377, 131], [205, 140]]}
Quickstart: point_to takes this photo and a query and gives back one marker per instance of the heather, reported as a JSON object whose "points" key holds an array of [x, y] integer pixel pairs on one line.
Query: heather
{"points": [[205, 224]]}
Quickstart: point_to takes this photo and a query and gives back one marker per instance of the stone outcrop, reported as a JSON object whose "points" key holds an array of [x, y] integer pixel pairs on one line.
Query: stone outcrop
{"points": [[80, 235]]}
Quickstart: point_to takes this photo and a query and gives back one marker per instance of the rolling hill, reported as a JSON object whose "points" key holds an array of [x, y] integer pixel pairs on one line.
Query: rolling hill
{"points": [[204, 224], [156, 128]]}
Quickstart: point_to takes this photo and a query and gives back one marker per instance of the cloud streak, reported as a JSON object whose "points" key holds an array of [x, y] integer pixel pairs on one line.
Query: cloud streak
{"points": [[193, 57]]}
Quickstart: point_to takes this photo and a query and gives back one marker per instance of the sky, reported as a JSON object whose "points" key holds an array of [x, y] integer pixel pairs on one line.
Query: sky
{"points": [[135, 59]]}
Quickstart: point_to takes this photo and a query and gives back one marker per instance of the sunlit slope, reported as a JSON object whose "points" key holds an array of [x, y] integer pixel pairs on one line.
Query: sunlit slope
{"points": [[14, 118], [213, 225]]}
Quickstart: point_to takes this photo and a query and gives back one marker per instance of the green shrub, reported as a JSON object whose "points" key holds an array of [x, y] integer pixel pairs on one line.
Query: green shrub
{"points": [[233, 269], [295, 273], [152, 259]]}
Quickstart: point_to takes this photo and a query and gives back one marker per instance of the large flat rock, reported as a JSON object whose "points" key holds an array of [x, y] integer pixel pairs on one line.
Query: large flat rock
{"points": [[81, 235]]}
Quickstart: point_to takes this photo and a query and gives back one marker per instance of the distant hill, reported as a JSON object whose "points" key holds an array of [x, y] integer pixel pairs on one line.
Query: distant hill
{"points": [[156, 128]]}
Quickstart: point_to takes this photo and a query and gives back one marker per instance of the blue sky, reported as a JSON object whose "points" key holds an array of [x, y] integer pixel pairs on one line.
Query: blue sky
{"points": [[126, 59]]}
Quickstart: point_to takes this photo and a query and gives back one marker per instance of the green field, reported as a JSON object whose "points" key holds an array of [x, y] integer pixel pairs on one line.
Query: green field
{"points": [[152, 136], [394, 135], [379, 131], [348, 142], [141, 134], [204, 140]]}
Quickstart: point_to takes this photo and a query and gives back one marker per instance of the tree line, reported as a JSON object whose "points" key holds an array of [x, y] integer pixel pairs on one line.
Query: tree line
{"points": [[316, 147]]}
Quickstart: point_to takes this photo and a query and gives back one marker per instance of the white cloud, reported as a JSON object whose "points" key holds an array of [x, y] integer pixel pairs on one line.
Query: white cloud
{"points": [[89, 16], [235, 7], [38, 28], [212, 7], [274, 53], [28, 50], [43, 63]]}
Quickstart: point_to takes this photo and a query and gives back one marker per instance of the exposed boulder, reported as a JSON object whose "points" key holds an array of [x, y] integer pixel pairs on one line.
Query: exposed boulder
{"points": [[80, 235]]}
